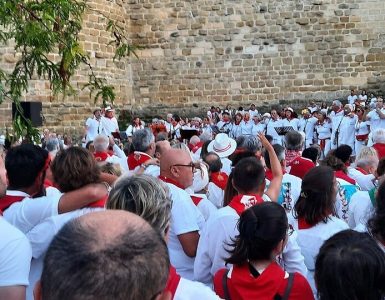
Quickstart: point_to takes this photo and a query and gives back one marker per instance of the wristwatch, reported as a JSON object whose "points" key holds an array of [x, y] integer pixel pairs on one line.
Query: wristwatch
{"points": [[144, 166]]}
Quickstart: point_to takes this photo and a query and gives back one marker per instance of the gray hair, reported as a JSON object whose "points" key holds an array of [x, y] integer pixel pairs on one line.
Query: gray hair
{"points": [[101, 143], [378, 136], [52, 145], [142, 139], [338, 103], [294, 140], [250, 143], [145, 196]]}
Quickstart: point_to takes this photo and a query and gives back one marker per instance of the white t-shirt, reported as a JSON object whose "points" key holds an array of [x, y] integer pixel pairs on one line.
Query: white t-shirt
{"points": [[185, 218], [352, 99], [94, 127], [307, 126], [226, 165], [218, 232], [15, 256], [293, 123], [132, 129], [215, 194], [310, 240], [360, 209], [192, 290], [258, 128], [246, 127], [110, 125], [270, 130], [40, 238], [29, 212]]}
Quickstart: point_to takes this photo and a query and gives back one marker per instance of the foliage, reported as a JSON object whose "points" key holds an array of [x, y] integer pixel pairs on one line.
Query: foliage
{"points": [[39, 29]]}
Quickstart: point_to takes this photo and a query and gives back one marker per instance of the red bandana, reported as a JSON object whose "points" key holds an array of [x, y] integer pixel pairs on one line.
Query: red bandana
{"points": [[172, 281], [196, 147], [380, 148], [101, 156], [291, 155], [302, 224], [99, 203], [362, 171], [219, 179], [242, 202], [196, 199], [343, 176], [172, 181], [136, 159], [8, 200]]}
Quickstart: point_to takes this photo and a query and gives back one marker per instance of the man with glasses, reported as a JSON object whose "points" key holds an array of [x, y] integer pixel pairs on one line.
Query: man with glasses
{"points": [[376, 117], [177, 170]]}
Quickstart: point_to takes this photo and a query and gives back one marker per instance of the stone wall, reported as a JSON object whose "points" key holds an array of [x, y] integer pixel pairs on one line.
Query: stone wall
{"points": [[255, 51], [216, 52], [69, 114]]}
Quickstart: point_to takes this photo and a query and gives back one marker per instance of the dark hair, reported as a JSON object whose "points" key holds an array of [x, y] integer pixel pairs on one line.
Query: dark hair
{"points": [[89, 144], [74, 168], [269, 138], [204, 149], [350, 266], [261, 228], [24, 163], [293, 140], [226, 113], [343, 153], [279, 151], [376, 223], [214, 162], [381, 167], [237, 157], [248, 175], [80, 265], [230, 192], [333, 162], [318, 195], [311, 153]]}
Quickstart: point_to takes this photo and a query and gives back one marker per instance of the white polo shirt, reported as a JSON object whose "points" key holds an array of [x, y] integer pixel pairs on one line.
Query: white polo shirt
{"points": [[185, 218], [15, 256]]}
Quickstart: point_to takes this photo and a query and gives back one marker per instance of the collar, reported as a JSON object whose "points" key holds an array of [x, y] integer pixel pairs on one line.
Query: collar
{"points": [[242, 202], [101, 156], [219, 179], [136, 159], [343, 176], [362, 171], [170, 180], [16, 193]]}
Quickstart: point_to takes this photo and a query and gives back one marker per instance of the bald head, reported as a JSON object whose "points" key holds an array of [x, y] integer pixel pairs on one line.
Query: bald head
{"points": [[105, 255], [176, 164], [161, 147]]}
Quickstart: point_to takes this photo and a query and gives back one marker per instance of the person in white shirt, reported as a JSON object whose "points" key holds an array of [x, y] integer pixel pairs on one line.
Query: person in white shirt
{"points": [[364, 169], [376, 118], [168, 124], [274, 122], [314, 219], [362, 130], [323, 129], [137, 124], [352, 97], [236, 129], [221, 228], [253, 111], [27, 203], [258, 126], [105, 255], [224, 125], [307, 126], [246, 124], [94, 126], [176, 169], [109, 122], [101, 145], [363, 97], [343, 128], [291, 119], [224, 147]]}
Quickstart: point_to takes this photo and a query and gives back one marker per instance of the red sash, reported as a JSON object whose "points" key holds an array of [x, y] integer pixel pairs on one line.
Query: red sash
{"points": [[219, 179], [242, 202], [136, 159], [343, 176], [362, 137], [172, 281], [8, 200], [101, 156]]}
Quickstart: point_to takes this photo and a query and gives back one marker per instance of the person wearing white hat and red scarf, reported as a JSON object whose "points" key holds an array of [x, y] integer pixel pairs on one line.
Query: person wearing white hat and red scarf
{"points": [[224, 146], [109, 122], [15, 254], [249, 181], [315, 215], [177, 169], [27, 202]]}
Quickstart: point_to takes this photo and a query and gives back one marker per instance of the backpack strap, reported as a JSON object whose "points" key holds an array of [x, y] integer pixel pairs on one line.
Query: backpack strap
{"points": [[224, 285], [288, 287]]}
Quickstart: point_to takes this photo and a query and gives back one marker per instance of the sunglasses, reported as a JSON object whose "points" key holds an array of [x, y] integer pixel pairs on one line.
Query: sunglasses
{"points": [[191, 165]]}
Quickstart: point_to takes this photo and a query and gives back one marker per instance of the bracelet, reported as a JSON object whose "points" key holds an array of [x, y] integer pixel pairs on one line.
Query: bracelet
{"points": [[107, 186]]}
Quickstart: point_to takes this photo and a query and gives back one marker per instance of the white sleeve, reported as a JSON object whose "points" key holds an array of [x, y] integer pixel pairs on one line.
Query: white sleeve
{"points": [[119, 152], [215, 195], [184, 219], [293, 260], [15, 261], [30, 212], [360, 208], [88, 122], [129, 131]]}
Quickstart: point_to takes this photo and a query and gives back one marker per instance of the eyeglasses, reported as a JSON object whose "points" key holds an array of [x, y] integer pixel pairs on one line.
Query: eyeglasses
{"points": [[191, 165]]}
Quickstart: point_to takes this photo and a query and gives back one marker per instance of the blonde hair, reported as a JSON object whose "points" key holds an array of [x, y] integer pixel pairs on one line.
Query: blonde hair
{"points": [[145, 196]]}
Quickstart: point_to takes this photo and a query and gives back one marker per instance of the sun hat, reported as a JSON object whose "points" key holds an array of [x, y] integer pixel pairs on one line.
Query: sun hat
{"points": [[222, 145]]}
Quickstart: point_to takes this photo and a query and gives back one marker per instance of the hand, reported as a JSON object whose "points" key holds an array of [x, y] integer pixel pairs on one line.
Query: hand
{"points": [[152, 161], [111, 141], [264, 141]]}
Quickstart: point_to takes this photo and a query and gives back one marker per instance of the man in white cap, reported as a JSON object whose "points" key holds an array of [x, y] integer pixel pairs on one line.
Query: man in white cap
{"points": [[224, 146], [343, 128], [109, 122], [94, 125]]}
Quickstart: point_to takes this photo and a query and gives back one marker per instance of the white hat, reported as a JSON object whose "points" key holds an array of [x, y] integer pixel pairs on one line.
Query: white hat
{"points": [[222, 145], [266, 115], [289, 109], [201, 179], [108, 108]]}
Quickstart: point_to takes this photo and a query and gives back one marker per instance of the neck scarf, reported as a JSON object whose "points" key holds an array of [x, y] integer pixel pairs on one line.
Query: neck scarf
{"points": [[242, 202]]}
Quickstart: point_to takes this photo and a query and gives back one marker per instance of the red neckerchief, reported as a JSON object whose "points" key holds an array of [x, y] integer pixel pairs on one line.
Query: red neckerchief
{"points": [[101, 156], [269, 174], [219, 179], [172, 281], [265, 286], [48, 183], [196, 147], [341, 109], [136, 159], [380, 148], [362, 171], [302, 224], [196, 199], [8, 200], [343, 176], [291, 155], [237, 123], [169, 180], [99, 203], [242, 202]]}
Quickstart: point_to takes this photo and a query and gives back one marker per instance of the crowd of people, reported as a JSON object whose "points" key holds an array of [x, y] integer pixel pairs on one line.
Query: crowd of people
{"points": [[237, 205]]}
